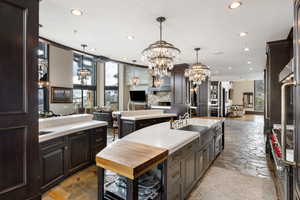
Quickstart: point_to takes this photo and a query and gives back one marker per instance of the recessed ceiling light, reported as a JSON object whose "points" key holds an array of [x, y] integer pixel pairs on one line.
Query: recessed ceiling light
{"points": [[246, 49], [76, 12], [249, 62], [250, 68], [130, 37], [235, 4], [243, 34], [230, 68]]}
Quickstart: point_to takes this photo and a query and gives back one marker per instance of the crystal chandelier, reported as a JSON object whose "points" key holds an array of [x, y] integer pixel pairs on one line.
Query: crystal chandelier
{"points": [[160, 55], [135, 80], [197, 72], [158, 82], [83, 73]]}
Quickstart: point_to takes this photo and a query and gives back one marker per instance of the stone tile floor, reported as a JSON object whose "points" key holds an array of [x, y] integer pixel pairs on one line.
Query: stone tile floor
{"points": [[240, 173]]}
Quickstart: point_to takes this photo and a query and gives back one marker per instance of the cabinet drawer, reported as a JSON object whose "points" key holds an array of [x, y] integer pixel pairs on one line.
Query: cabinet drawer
{"points": [[175, 158], [56, 142], [192, 146]]}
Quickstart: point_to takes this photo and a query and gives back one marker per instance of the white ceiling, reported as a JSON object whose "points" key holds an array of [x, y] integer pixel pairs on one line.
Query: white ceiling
{"points": [[208, 24]]}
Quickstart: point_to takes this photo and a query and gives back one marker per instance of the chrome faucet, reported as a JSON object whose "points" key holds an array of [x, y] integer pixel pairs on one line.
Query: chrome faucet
{"points": [[181, 122]]}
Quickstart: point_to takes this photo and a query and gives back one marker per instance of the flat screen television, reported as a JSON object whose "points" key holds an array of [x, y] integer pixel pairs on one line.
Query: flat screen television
{"points": [[138, 95]]}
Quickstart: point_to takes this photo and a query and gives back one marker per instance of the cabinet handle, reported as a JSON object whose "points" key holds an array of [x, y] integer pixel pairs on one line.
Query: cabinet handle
{"points": [[66, 147]]}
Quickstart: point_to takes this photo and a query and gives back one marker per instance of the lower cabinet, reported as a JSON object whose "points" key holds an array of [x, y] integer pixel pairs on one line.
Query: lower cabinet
{"points": [[128, 126], [53, 157], [211, 151], [205, 153], [189, 174], [63, 156], [188, 164], [199, 164], [79, 151]]}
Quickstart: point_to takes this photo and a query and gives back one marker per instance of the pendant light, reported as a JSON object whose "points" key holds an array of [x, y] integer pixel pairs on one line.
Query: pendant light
{"points": [[160, 55], [135, 80], [83, 73], [197, 72]]}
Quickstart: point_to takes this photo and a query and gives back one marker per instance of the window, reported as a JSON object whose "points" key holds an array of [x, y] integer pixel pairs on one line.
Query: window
{"points": [[85, 62], [259, 95], [84, 95], [111, 89], [43, 92]]}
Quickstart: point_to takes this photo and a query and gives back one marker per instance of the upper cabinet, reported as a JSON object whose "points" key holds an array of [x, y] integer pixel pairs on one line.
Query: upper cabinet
{"points": [[279, 53], [179, 84]]}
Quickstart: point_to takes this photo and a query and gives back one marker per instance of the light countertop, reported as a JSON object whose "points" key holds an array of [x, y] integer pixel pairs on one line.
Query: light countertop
{"points": [[148, 116], [161, 107], [160, 135], [143, 114], [61, 126]]}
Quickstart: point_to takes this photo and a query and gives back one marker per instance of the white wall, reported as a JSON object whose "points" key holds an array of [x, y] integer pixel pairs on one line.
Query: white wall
{"points": [[61, 75], [239, 87]]}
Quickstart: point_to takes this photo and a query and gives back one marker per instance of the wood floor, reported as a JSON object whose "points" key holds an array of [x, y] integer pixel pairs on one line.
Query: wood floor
{"points": [[240, 172]]}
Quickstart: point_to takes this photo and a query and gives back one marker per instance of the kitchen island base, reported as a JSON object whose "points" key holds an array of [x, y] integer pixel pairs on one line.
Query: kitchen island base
{"points": [[185, 166]]}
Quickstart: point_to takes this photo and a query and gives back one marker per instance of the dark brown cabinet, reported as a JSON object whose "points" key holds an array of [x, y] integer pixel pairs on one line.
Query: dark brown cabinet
{"points": [[199, 164], [53, 162], [19, 145], [63, 156], [79, 150], [98, 141], [179, 84], [128, 126], [211, 149], [279, 53], [189, 176], [205, 154]]}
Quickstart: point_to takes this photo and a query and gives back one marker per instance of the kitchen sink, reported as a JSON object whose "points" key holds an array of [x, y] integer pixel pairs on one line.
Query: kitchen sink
{"points": [[194, 128], [44, 132]]}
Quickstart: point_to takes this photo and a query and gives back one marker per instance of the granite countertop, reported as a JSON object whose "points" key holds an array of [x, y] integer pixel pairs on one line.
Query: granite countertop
{"points": [[61, 126], [160, 135]]}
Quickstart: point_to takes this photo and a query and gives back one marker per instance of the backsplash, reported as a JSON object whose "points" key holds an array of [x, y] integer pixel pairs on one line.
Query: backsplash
{"points": [[154, 99]]}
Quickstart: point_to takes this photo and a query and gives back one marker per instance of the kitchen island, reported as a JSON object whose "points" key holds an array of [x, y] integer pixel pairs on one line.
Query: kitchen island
{"points": [[130, 121], [191, 150]]}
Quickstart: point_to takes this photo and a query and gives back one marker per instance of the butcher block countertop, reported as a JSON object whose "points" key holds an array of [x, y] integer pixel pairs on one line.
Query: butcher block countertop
{"points": [[130, 159]]}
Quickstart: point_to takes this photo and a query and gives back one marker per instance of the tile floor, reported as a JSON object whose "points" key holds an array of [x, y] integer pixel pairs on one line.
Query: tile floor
{"points": [[240, 172]]}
